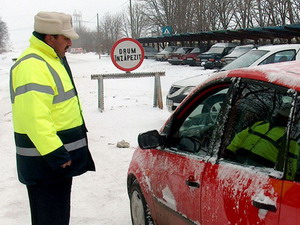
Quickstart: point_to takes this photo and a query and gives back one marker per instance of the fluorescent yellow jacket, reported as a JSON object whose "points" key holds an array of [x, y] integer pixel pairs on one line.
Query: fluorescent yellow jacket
{"points": [[48, 123], [264, 141]]}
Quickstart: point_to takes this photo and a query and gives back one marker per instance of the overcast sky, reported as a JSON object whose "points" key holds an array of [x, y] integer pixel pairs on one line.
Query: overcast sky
{"points": [[18, 14]]}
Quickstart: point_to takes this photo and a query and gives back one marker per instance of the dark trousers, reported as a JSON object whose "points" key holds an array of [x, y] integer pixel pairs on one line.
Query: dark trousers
{"points": [[50, 203]]}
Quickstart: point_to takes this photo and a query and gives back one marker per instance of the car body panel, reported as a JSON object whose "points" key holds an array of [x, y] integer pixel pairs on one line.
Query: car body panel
{"points": [[149, 52], [191, 188], [174, 197], [190, 58], [176, 58], [223, 181], [290, 203], [164, 54], [237, 52], [177, 93]]}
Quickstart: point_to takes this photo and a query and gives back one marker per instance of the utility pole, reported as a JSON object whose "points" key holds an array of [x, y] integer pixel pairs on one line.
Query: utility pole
{"points": [[131, 20], [98, 37]]}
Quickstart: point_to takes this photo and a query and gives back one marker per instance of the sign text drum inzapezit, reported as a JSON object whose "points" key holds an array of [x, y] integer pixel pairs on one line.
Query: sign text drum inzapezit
{"points": [[127, 54]]}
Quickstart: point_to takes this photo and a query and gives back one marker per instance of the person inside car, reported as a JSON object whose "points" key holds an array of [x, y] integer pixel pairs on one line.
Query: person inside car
{"points": [[263, 144]]}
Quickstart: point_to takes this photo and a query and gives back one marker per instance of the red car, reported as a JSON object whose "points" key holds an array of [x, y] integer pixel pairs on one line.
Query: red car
{"points": [[190, 58], [184, 174], [176, 58]]}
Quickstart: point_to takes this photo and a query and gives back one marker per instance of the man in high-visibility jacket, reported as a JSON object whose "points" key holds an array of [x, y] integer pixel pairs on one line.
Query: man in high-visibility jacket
{"points": [[49, 128], [263, 143]]}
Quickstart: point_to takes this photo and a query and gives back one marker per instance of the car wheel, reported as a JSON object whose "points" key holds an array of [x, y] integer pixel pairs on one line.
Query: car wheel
{"points": [[140, 214], [213, 105]]}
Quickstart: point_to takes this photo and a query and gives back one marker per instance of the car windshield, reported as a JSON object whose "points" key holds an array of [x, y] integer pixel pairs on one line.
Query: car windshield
{"points": [[245, 60], [215, 49], [168, 49], [180, 51], [150, 49], [238, 51], [196, 50]]}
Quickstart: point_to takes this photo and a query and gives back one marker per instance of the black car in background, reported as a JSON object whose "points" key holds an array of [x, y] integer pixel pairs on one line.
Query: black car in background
{"points": [[212, 58]]}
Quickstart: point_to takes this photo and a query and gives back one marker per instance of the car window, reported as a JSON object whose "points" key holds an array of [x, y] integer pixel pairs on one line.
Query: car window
{"points": [[217, 50], [168, 49], [194, 134], [281, 56], [238, 51], [196, 50], [256, 133], [245, 60], [180, 51]]}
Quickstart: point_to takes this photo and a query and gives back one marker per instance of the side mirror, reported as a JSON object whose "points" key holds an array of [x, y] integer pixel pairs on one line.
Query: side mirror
{"points": [[151, 139]]}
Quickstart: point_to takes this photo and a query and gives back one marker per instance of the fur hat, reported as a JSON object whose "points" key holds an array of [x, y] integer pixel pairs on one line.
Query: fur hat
{"points": [[54, 23]]}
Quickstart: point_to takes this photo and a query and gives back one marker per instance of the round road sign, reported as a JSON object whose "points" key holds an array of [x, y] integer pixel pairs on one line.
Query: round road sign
{"points": [[127, 54]]}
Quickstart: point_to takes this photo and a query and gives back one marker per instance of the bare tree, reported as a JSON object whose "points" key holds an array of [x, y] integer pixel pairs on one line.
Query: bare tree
{"points": [[87, 39], [243, 13], [179, 14], [201, 17], [111, 31], [3, 36], [188, 16], [225, 10], [295, 10], [140, 22]]}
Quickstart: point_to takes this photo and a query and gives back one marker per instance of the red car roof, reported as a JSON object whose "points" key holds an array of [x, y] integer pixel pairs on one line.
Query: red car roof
{"points": [[285, 74]]}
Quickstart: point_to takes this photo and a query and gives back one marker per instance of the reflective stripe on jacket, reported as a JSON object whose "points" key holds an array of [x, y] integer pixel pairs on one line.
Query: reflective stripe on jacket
{"points": [[265, 141], [48, 124]]}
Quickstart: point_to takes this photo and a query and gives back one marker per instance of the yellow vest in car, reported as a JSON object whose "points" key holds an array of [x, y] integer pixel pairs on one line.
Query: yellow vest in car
{"points": [[264, 141]]}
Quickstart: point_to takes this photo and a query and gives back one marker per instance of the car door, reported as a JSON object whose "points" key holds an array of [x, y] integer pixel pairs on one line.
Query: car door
{"points": [[290, 204], [237, 190], [178, 169]]}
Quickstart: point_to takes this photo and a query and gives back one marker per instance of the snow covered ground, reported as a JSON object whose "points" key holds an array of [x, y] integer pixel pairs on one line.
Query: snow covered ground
{"points": [[98, 197]]}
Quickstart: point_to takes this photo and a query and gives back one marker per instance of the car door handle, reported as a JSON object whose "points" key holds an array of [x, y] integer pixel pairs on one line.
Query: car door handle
{"points": [[191, 182], [262, 205]]}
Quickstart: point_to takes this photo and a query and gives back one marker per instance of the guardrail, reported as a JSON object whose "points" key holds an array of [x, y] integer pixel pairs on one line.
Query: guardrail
{"points": [[157, 99]]}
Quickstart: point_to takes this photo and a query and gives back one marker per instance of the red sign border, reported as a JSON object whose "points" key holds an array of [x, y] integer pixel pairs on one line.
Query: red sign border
{"points": [[113, 50]]}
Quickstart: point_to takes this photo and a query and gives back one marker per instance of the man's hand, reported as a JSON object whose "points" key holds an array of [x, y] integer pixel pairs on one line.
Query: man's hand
{"points": [[66, 164]]}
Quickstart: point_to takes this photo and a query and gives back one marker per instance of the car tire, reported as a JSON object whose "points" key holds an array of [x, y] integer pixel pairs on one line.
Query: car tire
{"points": [[213, 105], [140, 214]]}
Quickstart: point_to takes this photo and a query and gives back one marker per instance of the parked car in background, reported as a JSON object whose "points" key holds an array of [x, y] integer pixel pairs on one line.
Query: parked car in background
{"points": [[149, 52], [176, 58], [260, 56], [211, 58], [266, 55], [237, 52], [190, 58], [164, 54], [183, 174]]}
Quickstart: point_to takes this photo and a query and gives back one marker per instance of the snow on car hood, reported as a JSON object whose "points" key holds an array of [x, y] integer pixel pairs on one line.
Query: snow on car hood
{"points": [[192, 81]]}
